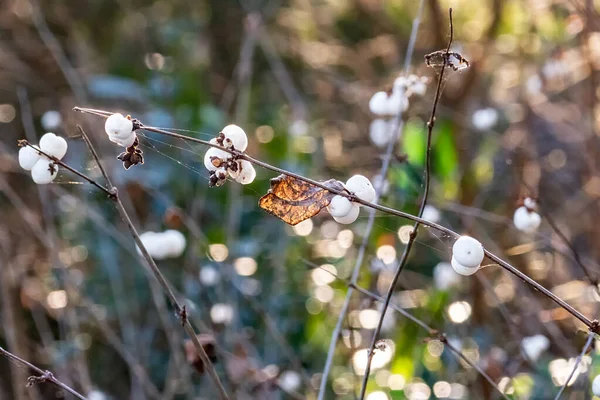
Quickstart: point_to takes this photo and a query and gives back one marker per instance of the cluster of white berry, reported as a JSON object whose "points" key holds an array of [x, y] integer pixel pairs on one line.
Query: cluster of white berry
{"points": [[222, 164], [43, 170], [387, 104], [525, 218], [120, 130], [161, 245], [467, 255], [345, 211]]}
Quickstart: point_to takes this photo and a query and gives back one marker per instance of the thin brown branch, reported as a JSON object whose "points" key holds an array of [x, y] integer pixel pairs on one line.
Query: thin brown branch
{"points": [[42, 375]]}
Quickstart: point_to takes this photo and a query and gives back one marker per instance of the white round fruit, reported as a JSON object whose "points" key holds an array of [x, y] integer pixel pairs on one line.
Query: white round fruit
{"points": [[350, 217], [154, 244], [468, 252], [397, 102], [51, 120], [210, 162], [118, 126], [380, 132], [247, 173], [596, 386], [44, 171], [525, 220], [430, 213], [379, 103], [461, 269], [53, 145], [361, 187], [235, 137], [28, 156], [175, 242], [123, 142], [340, 206], [529, 203], [534, 346]]}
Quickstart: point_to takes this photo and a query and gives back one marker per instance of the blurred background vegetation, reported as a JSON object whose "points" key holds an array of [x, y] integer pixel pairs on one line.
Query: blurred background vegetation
{"points": [[297, 75]]}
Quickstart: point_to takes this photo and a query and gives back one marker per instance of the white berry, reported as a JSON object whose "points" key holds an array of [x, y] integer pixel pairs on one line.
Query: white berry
{"points": [[53, 145], [28, 156], [118, 126], [51, 120], [361, 187], [214, 158], [397, 102], [44, 171], [123, 142], [485, 118], [468, 252], [174, 241], [350, 217], [534, 346], [380, 132], [525, 220], [379, 103], [235, 137], [419, 88], [461, 269], [529, 203], [340, 206], [444, 276], [430, 213], [247, 173], [596, 386]]}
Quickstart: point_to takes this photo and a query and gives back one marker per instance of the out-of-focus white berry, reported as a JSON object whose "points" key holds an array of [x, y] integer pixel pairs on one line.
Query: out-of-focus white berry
{"points": [[430, 213], [247, 173], [119, 127], [154, 244], [461, 269], [468, 252], [44, 171], [444, 276], [212, 157], [485, 118], [596, 386], [96, 395], [28, 156], [209, 276], [534, 346], [380, 132], [525, 220], [298, 128], [529, 203], [397, 102], [379, 103], [123, 142], [235, 137], [361, 187], [51, 120], [534, 85], [350, 217], [419, 87], [289, 380], [340, 206], [53, 145], [401, 83], [381, 184], [221, 313], [175, 242]]}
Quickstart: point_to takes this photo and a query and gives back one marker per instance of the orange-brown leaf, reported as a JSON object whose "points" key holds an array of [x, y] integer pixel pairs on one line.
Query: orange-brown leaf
{"points": [[293, 200]]}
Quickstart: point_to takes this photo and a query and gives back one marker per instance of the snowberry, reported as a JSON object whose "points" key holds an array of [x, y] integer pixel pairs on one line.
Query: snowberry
{"points": [[174, 241], [340, 206], [125, 142], [361, 187], [53, 145], [468, 252], [51, 120], [381, 184], [379, 103], [444, 277], [44, 171], [96, 395], [529, 203], [214, 158], [380, 132], [397, 102], [430, 213], [235, 137], [461, 269], [290, 380], [485, 118], [153, 244], [401, 83], [28, 156], [596, 386], [419, 87], [534, 346], [118, 127], [526, 220], [247, 173], [209, 276], [350, 217]]}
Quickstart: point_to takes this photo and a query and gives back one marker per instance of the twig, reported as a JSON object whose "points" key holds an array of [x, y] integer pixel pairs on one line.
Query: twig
{"points": [[43, 376], [397, 128], [588, 343], [413, 234], [180, 310], [594, 325]]}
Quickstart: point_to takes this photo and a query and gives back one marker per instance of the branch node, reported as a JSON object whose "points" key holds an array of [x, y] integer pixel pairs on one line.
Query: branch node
{"points": [[182, 315], [47, 376]]}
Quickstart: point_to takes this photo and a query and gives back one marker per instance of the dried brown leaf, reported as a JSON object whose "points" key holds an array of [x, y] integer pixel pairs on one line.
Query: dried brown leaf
{"points": [[293, 200]]}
